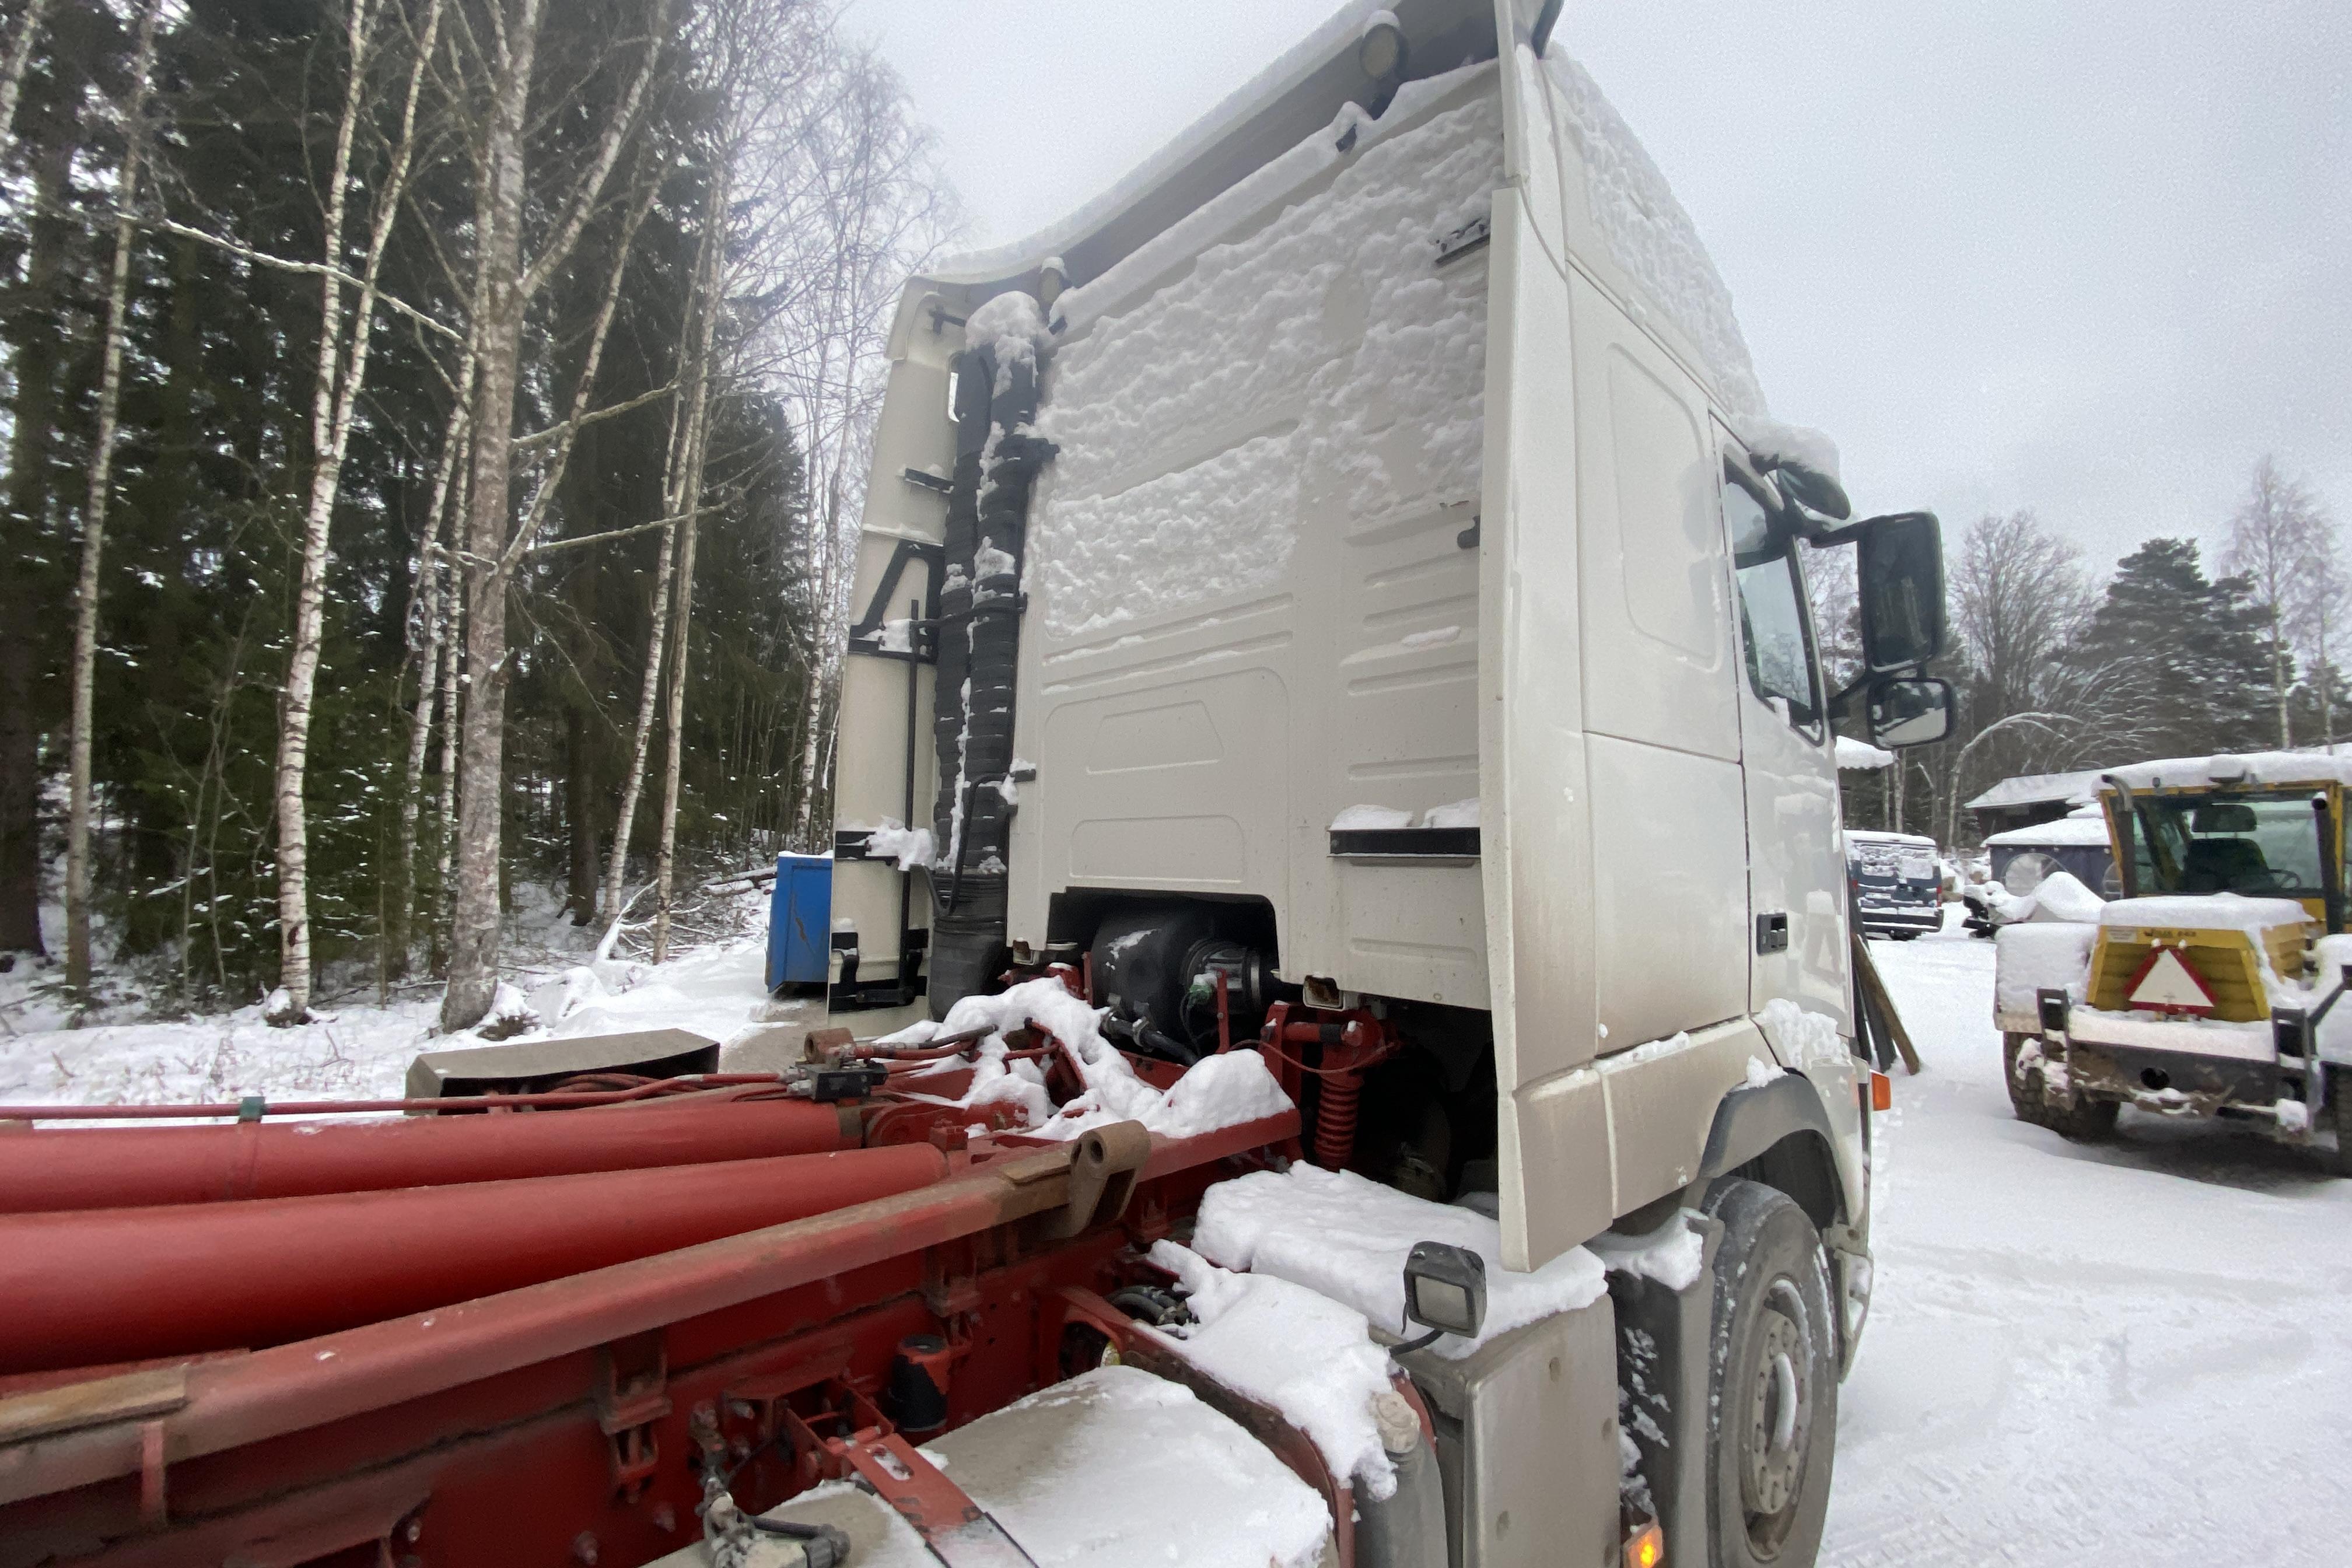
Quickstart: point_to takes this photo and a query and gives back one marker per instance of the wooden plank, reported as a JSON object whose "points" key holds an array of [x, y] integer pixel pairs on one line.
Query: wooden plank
{"points": [[1876, 988], [127, 1397]]}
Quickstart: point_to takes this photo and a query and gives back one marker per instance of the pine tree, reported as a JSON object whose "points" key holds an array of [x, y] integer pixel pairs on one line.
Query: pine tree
{"points": [[2182, 651]]}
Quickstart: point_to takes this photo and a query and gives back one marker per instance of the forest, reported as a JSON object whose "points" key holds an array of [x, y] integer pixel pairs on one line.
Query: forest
{"points": [[435, 438]]}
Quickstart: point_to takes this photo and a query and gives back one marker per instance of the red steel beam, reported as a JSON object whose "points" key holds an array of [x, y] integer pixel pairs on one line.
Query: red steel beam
{"points": [[108, 1285], [130, 1167], [296, 1387]]}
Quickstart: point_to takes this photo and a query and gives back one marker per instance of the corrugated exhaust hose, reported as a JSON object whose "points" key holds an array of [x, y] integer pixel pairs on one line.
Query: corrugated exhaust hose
{"points": [[998, 454]]}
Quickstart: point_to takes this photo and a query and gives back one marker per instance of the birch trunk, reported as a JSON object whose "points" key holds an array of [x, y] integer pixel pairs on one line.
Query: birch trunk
{"points": [[431, 633], [665, 859], [341, 374], [444, 815], [503, 293], [93, 538], [499, 305], [648, 694], [679, 500], [20, 56]]}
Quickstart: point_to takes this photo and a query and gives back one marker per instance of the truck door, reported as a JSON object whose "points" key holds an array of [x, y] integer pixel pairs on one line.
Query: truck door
{"points": [[1796, 874]]}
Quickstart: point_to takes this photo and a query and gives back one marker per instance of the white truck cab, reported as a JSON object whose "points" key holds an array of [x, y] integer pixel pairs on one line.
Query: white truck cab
{"points": [[1348, 569]]}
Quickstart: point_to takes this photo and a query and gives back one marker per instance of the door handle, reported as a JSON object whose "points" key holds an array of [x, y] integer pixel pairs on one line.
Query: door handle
{"points": [[1772, 933]]}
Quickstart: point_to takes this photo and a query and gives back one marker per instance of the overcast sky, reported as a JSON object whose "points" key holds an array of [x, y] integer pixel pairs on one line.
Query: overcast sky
{"points": [[2093, 258]]}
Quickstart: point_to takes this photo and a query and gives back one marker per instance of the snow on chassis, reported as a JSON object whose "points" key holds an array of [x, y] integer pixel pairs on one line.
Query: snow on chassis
{"points": [[1341, 996], [2213, 987]]}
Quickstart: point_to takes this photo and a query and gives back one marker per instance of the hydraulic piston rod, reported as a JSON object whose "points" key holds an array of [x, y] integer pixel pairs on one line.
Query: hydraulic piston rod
{"points": [[93, 1287], [127, 1167]]}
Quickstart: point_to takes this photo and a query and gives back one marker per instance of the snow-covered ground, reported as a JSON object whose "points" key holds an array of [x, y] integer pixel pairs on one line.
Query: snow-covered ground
{"points": [[2119, 1356], [362, 1051]]}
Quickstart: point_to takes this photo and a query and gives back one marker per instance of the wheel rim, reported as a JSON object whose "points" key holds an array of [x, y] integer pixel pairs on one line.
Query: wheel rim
{"points": [[1777, 1419]]}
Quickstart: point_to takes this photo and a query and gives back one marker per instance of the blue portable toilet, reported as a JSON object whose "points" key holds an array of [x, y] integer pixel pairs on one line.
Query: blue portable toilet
{"points": [[800, 923]]}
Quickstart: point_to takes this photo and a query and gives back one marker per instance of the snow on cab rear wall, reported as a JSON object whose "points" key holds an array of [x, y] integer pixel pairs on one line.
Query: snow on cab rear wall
{"points": [[1317, 371], [1653, 239]]}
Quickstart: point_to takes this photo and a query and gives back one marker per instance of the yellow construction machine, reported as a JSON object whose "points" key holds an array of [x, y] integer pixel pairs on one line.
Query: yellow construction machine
{"points": [[2212, 987]]}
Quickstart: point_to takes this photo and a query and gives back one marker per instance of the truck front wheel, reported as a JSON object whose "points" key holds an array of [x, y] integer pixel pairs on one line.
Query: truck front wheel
{"points": [[1772, 1382]]}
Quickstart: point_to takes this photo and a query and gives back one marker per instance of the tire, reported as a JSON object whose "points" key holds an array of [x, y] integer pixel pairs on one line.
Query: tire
{"points": [[2086, 1121], [2339, 1091], [1772, 1382]]}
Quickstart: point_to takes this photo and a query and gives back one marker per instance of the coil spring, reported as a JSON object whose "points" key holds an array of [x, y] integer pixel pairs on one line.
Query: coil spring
{"points": [[1335, 1119]]}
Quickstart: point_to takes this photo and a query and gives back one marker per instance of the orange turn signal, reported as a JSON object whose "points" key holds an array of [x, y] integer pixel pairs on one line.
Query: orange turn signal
{"points": [[1646, 1547], [1881, 1092]]}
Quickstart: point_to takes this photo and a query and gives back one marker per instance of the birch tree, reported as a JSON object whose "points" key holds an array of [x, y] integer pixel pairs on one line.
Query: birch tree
{"points": [[341, 374], [505, 284], [93, 538], [2279, 541], [14, 63]]}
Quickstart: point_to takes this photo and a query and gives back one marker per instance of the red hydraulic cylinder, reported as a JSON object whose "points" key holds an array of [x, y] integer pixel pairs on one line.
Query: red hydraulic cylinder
{"points": [[94, 1286], [133, 1167]]}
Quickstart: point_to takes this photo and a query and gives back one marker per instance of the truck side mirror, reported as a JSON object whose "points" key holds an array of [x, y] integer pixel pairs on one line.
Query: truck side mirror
{"points": [[1901, 567], [1911, 710]]}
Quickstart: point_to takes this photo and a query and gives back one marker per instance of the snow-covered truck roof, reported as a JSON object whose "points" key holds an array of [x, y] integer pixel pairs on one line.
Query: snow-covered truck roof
{"points": [[1642, 244]]}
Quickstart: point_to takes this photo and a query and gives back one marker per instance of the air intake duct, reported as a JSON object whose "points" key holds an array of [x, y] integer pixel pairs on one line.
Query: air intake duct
{"points": [[998, 454]]}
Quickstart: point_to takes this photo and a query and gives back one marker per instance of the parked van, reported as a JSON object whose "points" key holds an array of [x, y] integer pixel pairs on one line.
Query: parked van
{"points": [[1897, 882]]}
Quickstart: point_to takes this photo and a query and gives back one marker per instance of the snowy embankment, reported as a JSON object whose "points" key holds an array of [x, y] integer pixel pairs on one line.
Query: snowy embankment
{"points": [[2112, 1356], [362, 1052]]}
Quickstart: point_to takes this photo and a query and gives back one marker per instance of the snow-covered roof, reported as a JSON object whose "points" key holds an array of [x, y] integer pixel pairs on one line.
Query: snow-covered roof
{"points": [[2242, 767], [1860, 754], [2067, 833], [2038, 789], [1875, 836]]}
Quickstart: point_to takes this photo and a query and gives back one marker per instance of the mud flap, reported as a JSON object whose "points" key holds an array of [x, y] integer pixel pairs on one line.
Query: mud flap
{"points": [[1664, 1338]]}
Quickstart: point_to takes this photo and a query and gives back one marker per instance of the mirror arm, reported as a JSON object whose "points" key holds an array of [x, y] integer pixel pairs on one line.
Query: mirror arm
{"points": [[1842, 703]]}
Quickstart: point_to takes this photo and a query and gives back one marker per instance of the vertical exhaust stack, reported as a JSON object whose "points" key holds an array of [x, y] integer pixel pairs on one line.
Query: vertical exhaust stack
{"points": [[998, 455]]}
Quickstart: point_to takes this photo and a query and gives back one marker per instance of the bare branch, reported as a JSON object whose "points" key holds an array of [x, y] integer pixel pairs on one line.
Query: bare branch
{"points": [[312, 269]]}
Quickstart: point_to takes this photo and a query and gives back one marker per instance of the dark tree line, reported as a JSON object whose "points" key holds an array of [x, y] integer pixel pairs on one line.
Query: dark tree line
{"points": [[285, 487]]}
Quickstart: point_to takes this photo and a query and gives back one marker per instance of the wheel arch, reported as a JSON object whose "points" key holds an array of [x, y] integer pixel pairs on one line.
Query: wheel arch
{"points": [[1778, 1133]]}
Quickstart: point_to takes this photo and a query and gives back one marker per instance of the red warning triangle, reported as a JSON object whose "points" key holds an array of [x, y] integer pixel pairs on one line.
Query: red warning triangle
{"points": [[2168, 982]]}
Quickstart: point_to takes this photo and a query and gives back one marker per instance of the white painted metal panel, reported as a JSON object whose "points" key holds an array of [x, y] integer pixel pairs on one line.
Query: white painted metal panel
{"points": [[870, 750]]}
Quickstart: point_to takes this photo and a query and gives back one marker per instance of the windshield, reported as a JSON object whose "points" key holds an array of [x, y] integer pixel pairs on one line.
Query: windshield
{"points": [[2226, 843], [1875, 861]]}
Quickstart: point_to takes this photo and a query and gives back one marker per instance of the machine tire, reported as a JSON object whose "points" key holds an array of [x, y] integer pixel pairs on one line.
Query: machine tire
{"points": [[2087, 1121], [2340, 1092], [1772, 1381]]}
